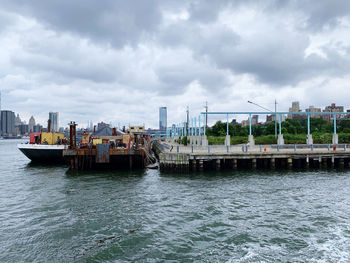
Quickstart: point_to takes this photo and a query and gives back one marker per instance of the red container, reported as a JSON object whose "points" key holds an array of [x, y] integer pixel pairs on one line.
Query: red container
{"points": [[33, 136]]}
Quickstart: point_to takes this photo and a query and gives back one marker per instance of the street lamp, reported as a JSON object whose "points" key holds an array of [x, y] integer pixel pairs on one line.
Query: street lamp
{"points": [[268, 110]]}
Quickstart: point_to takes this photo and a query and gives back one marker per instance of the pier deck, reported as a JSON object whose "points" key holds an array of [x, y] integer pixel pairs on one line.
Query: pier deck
{"points": [[179, 158]]}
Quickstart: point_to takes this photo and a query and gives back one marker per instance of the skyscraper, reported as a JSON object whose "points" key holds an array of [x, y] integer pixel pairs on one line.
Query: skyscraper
{"points": [[53, 117], [162, 118], [31, 124], [7, 125]]}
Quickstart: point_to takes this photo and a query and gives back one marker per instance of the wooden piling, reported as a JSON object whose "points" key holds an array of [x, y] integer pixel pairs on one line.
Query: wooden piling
{"points": [[218, 164], [253, 163], [201, 165]]}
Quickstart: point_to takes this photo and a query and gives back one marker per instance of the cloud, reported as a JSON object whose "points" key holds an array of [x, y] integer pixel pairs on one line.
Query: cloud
{"points": [[119, 61]]}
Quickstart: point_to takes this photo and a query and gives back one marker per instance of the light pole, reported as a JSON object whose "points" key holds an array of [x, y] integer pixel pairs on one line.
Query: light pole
{"points": [[268, 110]]}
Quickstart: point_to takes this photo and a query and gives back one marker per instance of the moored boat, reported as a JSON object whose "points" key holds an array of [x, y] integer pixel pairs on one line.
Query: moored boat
{"points": [[43, 153], [45, 147]]}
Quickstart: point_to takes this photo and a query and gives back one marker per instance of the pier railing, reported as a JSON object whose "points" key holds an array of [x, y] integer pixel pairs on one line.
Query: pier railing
{"points": [[212, 149]]}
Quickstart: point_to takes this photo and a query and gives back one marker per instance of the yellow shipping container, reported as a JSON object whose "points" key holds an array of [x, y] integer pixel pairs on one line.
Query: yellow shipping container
{"points": [[51, 137], [96, 141], [126, 138]]}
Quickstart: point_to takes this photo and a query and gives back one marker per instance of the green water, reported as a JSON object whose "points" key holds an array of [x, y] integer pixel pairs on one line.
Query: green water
{"points": [[50, 215]]}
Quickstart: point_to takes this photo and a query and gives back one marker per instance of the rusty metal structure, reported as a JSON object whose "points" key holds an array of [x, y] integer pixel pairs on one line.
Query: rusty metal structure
{"points": [[111, 152]]}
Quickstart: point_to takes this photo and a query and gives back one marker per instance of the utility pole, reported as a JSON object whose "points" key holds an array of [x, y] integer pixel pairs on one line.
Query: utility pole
{"points": [[188, 118], [275, 119], [206, 114]]}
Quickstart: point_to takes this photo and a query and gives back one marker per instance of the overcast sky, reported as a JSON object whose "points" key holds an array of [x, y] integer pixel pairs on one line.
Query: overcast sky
{"points": [[119, 61]]}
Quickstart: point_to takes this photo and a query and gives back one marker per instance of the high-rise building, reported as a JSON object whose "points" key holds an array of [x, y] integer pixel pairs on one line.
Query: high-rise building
{"points": [[255, 119], [18, 120], [162, 118], [53, 117], [313, 109], [7, 125], [296, 108], [37, 128], [31, 124], [333, 108]]}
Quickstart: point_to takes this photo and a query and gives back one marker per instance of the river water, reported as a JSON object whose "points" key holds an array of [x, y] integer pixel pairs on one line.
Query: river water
{"points": [[49, 214]]}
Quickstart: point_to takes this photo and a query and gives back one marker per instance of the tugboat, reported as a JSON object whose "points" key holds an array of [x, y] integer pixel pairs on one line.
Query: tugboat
{"points": [[45, 147]]}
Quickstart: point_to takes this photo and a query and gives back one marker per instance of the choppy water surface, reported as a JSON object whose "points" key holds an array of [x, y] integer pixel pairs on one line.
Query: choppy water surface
{"points": [[50, 215]]}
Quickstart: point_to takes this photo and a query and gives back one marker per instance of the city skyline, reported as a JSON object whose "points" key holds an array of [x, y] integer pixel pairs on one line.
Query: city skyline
{"points": [[172, 55]]}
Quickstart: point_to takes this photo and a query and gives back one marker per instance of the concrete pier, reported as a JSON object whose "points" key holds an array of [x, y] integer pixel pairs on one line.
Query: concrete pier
{"points": [[227, 140], [280, 140], [199, 158], [251, 140], [335, 139], [309, 139]]}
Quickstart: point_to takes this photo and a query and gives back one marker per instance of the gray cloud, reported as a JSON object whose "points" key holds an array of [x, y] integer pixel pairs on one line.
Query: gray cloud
{"points": [[73, 54]]}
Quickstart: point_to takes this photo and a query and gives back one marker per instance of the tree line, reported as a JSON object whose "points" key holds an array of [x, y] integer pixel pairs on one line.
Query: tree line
{"points": [[289, 126]]}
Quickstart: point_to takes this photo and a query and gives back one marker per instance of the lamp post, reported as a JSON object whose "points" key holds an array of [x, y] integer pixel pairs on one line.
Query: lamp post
{"points": [[268, 110]]}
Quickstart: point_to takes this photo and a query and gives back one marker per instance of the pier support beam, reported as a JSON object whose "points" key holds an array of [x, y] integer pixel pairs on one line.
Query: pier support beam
{"points": [[194, 165], [227, 140], [200, 164], [289, 163], [309, 139], [335, 138], [273, 163], [254, 163], [234, 163], [218, 164], [280, 140], [341, 163]]}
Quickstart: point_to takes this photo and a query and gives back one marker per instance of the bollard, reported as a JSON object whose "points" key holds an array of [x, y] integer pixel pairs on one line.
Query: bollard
{"points": [[329, 147], [177, 148], [192, 148], [265, 149], [344, 147], [246, 148], [334, 147], [278, 148], [208, 149], [312, 147], [242, 148], [295, 147], [228, 148], [260, 148]]}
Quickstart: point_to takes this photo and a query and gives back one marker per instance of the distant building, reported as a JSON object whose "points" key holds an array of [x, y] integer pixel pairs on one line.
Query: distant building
{"points": [[53, 117], [255, 119], [313, 109], [7, 125], [272, 117], [333, 108], [18, 120], [101, 125], [31, 124], [296, 108], [245, 123], [162, 118], [23, 129], [37, 128], [234, 121]]}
